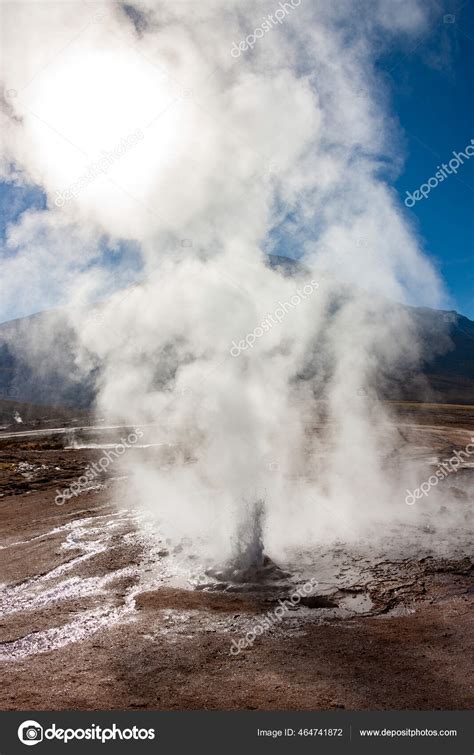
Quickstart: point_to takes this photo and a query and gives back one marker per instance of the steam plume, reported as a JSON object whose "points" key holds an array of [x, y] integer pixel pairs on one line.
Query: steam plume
{"points": [[282, 147]]}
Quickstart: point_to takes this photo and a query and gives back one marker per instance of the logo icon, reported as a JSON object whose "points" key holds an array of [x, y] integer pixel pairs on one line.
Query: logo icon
{"points": [[30, 733]]}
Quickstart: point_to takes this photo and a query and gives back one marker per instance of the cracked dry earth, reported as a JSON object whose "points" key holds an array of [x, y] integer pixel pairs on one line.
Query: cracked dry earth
{"points": [[91, 618]]}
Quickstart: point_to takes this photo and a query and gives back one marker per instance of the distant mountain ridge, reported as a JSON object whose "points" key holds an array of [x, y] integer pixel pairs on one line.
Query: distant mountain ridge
{"points": [[450, 375], [37, 359]]}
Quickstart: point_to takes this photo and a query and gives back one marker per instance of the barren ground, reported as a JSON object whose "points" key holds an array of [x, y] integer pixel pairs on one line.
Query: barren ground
{"points": [[88, 619]]}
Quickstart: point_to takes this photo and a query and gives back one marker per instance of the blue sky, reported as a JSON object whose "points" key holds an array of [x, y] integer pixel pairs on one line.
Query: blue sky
{"points": [[431, 85], [433, 96]]}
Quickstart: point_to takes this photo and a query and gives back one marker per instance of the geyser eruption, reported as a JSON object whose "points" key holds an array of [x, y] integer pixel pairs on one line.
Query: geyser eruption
{"points": [[249, 538], [264, 379]]}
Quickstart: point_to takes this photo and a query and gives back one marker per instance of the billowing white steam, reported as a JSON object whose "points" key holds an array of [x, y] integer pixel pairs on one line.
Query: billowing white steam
{"points": [[286, 141]]}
